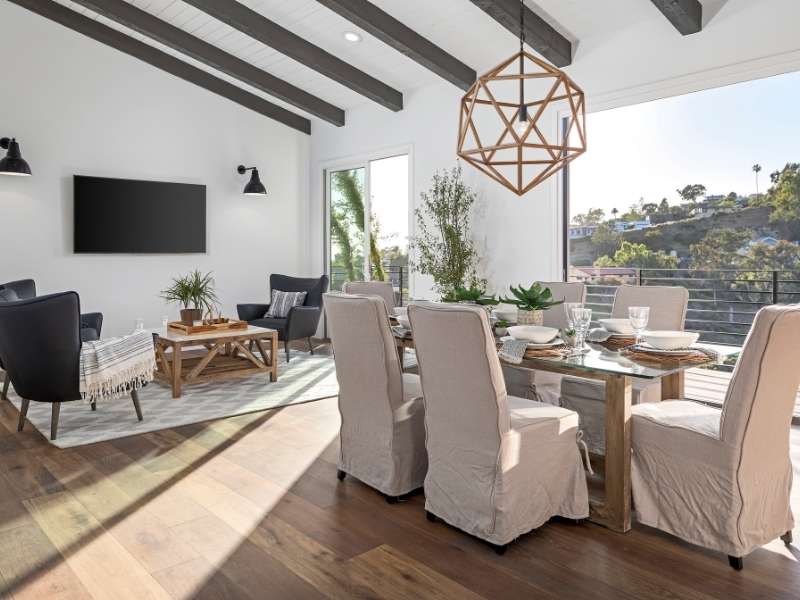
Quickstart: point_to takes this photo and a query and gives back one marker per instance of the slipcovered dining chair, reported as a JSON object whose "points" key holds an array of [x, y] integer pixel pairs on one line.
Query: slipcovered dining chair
{"points": [[498, 466], [542, 385], [40, 346], [382, 435], [668, 305], [384, 289], [722, 479]]}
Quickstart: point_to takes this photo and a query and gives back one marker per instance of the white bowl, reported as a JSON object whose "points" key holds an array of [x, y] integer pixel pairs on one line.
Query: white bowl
{"points": [[506, 314], [670, 340], [404, 322], [617, 326], [533, 333]]}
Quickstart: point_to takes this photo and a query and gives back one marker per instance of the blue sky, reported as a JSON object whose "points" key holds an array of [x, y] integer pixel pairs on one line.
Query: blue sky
{"points": [[711, 137]]}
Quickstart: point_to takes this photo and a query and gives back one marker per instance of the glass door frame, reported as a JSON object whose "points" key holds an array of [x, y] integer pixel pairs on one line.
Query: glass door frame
{"points": [[357, 162]]}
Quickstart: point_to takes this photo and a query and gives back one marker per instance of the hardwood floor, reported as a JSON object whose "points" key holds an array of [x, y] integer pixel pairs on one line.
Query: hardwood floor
{"points": [[250, 507]]}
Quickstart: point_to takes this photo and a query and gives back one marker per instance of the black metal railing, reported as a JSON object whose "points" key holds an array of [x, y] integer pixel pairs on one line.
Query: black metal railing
{"points": [[397, 275], [722, 303]]}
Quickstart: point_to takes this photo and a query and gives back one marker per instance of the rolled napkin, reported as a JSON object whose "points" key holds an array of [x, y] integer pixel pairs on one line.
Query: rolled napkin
{"points": [[513, 351], [114, 367]]}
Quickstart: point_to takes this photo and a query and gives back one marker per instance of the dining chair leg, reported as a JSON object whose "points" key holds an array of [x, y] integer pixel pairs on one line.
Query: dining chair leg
{"points": [[286, 347], [310, 346], [135, 398], [786, 538], [6, 383], [340, 475], [94, 406], [737, 562], [23, 412], [55, 412]]}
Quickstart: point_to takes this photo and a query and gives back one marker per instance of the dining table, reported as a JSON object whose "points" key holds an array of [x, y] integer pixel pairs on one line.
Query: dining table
{"points": [[617, 369]]}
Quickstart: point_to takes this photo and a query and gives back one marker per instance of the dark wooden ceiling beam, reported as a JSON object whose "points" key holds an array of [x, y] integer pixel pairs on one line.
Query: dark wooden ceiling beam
{"points": [[130, 16], [161, 60], [539, 34], [405, 40], [258, 27], [685, 15]]}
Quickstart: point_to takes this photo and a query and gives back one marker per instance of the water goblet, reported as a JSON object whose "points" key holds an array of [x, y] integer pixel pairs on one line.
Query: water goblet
{"points": [[639, 317], [581, 319], [568, 306]]}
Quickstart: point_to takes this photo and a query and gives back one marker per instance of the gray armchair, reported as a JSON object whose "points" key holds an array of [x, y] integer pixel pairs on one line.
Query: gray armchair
{"points": [[301, 321]]}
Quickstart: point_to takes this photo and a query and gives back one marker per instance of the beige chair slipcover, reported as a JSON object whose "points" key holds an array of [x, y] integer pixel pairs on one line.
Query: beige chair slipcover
{"points": [[542, 385], [722, 479], [383, 289], [499, 466], [383, 428], [668, 306]]}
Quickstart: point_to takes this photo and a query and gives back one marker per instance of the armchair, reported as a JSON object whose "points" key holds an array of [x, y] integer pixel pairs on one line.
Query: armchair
{"points": [[40, 346], [302, 321]]}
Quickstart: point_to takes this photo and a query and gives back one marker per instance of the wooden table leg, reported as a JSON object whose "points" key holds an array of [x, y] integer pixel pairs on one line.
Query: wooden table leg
{"points": [[616, 511], [273, 356], [176, 370], [672, 386]]}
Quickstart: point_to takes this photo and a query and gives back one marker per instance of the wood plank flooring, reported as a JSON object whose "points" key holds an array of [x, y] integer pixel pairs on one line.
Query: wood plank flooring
{"points": [[249, 507]]}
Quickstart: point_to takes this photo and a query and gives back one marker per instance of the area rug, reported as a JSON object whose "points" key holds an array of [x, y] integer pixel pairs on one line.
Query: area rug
{"points": [[303, 379]]}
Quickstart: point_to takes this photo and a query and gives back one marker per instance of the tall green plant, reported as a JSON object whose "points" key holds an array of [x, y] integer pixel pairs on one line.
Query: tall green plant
{"points": [[195, 290], [348, 184], [443, 246]]}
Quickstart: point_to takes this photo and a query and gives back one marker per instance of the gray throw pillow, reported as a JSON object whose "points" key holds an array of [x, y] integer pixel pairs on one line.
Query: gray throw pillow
{"points": [[8, 295], [283, 302]]}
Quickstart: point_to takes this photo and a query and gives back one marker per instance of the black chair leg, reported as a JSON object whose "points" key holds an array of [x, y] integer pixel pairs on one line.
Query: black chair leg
{"points": [[431, 517], [56, 411], [6, 383], [23, 412], [787, 538], [286, 347], [310, 346], [137, 408], [736, 562], [340, 475], [94, 406], [500, 549]]}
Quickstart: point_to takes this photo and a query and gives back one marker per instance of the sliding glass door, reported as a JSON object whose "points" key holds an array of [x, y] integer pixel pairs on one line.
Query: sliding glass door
{"points": [[368, 223]]}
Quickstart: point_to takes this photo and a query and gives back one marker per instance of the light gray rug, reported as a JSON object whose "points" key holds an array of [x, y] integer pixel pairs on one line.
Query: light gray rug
{"points": [[304, 379]]}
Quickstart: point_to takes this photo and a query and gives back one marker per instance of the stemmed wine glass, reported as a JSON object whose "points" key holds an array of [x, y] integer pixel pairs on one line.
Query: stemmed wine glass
{"points": [[568, 306], [639, 316], [581, 319]]}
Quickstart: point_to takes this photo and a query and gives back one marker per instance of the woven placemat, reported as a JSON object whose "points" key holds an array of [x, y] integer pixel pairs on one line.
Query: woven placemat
{"points": [[696, 356], [553, 351], [618, 342]]}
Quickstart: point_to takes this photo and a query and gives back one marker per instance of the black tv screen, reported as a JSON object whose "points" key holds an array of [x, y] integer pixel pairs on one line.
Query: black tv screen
{"points": [[130, 216]]}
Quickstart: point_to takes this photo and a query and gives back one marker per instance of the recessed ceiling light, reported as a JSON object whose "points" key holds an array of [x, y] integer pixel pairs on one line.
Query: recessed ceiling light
{"points": [[352, 36]]}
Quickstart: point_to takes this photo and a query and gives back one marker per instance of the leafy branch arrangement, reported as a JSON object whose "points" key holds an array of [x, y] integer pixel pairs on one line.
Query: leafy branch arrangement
{"points": [[533, 298], [472, 294], [444, 249], [194, 290]]}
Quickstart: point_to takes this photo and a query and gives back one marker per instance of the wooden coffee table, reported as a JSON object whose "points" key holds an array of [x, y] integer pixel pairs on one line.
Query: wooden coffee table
{"points": [[215, 356]]}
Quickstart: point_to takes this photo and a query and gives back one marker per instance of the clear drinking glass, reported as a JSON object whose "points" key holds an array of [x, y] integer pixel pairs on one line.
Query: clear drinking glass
{"points": [[639, 316], [581, 319], [139, 324], [568, 306]]}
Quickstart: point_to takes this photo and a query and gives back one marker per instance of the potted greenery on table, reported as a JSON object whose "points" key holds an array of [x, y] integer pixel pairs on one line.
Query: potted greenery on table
{"points": [[531, 303], [195, 293]]}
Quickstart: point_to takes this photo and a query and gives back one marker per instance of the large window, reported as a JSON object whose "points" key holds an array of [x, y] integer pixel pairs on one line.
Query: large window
{"points": [[702, 191], [367, 224]]}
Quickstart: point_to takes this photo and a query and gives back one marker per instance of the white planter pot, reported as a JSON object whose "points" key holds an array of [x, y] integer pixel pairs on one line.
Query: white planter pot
{"points": [[530, 317]]}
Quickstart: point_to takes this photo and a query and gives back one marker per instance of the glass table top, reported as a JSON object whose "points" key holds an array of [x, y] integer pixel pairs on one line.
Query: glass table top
{"points": [[603, 360]]}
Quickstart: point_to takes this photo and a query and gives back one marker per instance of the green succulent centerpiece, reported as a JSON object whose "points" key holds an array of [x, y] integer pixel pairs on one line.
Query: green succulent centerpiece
{"points": [[470, 295], [531, 302], [194, 293]]}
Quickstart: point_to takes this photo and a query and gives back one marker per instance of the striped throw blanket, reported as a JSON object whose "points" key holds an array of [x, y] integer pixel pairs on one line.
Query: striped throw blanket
{"points": [[112, 368]]}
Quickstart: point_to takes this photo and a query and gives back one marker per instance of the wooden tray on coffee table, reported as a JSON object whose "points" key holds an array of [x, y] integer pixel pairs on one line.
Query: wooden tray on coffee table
{"points": [[196, 328]]}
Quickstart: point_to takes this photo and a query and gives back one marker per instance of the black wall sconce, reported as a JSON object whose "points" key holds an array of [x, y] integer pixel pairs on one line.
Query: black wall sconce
{"points": [[254, 187], [13, 163]]}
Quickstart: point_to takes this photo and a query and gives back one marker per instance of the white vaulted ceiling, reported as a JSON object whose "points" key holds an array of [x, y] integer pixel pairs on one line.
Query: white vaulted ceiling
{"points": [[457, 26]]}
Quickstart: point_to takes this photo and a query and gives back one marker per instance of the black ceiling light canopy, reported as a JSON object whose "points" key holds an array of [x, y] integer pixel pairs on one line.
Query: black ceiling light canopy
{"points": [[13, 163], [254, 187]]}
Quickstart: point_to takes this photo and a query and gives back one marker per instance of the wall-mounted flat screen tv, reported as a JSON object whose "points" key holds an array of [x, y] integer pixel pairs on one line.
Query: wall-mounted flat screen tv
{"points": [[130, 216]]}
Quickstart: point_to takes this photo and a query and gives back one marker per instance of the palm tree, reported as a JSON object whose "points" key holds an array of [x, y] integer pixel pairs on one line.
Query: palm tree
{"points": [[614, 212], [756, 170]]}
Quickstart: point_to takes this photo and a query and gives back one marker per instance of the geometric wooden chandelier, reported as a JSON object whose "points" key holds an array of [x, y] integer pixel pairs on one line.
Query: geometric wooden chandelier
{"points": [[509, 125]]}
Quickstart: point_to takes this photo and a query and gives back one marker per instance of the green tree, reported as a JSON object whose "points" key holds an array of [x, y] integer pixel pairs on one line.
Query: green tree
{"points": [[756, 170], [690, 193], [593, 217], [638, 256], [649, 208], [351, 188], [614, 212], [606, 239], [444, 248], [720, 248], [784, 194], [783, 256], [663, 206]]}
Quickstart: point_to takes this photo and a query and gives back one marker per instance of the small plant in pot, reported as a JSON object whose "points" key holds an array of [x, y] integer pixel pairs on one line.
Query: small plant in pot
{"points": [[472, 295], [194, 293], [531, 303]]}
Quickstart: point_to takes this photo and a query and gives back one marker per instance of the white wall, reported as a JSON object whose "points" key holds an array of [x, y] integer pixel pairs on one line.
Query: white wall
{"points": [[649, 60], [78, 107]]}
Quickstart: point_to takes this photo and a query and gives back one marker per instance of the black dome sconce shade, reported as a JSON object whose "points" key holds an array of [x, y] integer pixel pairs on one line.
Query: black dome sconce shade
{"points": [[13, 163], [254, 187]]}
